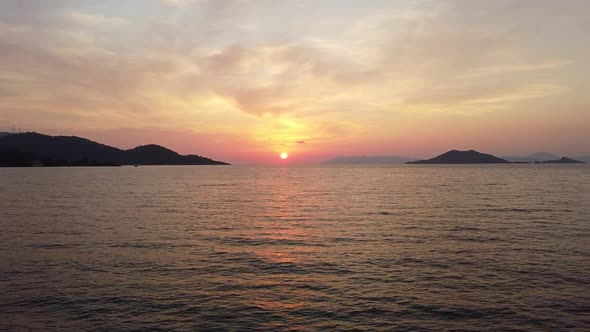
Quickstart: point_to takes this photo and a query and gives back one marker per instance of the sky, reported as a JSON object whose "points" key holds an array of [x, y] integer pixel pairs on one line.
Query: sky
{"points": [[244, 80]]}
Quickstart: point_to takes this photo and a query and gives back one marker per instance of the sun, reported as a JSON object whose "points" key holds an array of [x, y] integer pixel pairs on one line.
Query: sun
{"points": [[284, 155]]}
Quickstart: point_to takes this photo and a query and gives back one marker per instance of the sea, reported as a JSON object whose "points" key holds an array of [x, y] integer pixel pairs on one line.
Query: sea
{"points": [[300, 248]]}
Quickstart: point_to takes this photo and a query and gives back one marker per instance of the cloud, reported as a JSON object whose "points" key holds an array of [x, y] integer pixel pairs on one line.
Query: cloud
{"points": [[443, 47], [480, 95], [334, 69], [94, 19], [178, 2]]}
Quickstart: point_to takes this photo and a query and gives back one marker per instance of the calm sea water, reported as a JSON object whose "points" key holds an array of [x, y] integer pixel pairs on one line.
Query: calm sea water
{"points": [[417, 248]]}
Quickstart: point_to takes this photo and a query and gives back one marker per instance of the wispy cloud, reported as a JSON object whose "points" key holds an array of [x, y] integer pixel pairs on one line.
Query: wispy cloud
{"points": [[337, 69], [94, 19]]}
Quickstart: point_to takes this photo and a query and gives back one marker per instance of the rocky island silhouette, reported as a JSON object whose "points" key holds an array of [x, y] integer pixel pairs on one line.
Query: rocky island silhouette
{"points": [[475, 157], [462, 157]]}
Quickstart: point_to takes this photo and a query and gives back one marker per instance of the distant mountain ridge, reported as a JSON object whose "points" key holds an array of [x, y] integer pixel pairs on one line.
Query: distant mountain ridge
{"points": [[562, 160], [533, 157], [27, 149], [368, 160], [548, 158], [462, 157]]}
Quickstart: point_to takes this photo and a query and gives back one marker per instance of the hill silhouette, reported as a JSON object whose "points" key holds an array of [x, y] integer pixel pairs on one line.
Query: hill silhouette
{"points": [[158, 155], [28, 149], [462, 157]]}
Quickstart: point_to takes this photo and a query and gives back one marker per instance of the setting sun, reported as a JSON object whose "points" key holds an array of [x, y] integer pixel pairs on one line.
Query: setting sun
{"points": [[284, 155]]}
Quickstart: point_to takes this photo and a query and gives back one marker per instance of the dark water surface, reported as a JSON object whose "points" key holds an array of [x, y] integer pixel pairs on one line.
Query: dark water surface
{"points": [[417, 248]]}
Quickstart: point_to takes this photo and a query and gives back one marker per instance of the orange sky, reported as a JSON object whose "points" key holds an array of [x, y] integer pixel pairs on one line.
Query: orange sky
{"points": [[243, 80]]}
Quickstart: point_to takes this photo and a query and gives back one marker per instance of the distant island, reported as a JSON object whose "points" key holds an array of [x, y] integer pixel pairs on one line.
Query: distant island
{"points": [[547, 158], [368, 160], [462, 157], [475, 157], [458, 157], [533, 157], [563, 160], [34, 149]]}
